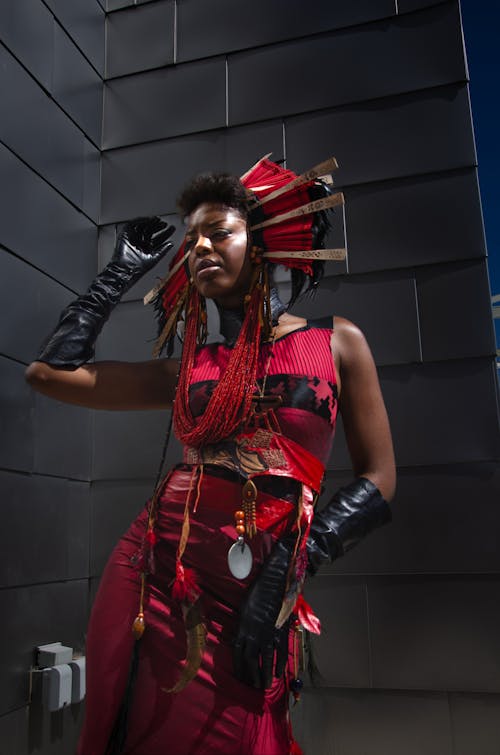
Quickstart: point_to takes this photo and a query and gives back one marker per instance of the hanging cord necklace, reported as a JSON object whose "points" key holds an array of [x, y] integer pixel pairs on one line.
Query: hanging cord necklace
{"points": [[239, 557]]}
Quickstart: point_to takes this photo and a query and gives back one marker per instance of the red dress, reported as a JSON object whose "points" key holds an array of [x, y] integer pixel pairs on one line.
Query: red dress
{"points": [[215, 714]]}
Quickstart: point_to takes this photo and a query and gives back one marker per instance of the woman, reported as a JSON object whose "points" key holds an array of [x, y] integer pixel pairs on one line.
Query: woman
{"points": [[209, 576]]}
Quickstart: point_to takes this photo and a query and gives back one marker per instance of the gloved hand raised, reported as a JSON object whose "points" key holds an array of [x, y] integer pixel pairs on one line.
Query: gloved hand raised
{"points": [[140, 245]]}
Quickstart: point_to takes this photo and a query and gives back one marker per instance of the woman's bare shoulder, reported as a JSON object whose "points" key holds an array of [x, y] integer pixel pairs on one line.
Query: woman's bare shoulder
{"points": [[348, 343]]}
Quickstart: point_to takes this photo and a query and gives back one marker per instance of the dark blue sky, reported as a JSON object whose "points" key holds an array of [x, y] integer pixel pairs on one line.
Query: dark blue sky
{"points": [[481, 22]]}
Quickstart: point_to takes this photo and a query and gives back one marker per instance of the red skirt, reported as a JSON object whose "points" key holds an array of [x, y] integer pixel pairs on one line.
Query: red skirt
{"points": [[215, 714]]}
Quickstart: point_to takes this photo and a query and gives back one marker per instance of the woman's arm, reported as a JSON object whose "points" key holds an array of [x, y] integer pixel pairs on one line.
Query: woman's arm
{"points": [[109, 385], [361, 405]]}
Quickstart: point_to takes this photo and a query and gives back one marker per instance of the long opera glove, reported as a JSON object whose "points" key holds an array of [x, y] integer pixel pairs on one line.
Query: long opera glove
{"points": [[140, 245]]}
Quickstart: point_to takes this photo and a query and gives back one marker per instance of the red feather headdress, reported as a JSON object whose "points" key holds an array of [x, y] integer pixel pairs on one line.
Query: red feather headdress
{"points": [[284, 212]]}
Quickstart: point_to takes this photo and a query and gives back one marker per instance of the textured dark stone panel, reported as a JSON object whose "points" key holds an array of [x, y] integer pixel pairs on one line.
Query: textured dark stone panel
{"points": [[39, 225], [84, 22], [475, 721], [445, 521], [27, 29], [16, 413], [455, 311], [147, 179], [129, 444], [126, 32], [417, 133], [342, 648], [366, 58], [436, 633], [372, 722], [415, 221], [36, 129], [433, 417], [76, 86], [34, 314], [114, 505], [230, 26], [384, 307], [165, 102], [38, 614], [62, 439], [47, 537]]}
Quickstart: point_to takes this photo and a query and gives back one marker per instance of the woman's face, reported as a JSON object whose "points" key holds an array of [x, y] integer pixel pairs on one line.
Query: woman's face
{"points": [[219, 262]]}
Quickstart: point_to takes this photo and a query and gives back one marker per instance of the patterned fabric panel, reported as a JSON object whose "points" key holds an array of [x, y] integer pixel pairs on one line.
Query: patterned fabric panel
{"points": [[297, 392]]}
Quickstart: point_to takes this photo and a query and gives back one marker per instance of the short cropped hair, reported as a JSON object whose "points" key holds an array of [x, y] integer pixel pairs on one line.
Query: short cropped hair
{"points": [[219, 188]]}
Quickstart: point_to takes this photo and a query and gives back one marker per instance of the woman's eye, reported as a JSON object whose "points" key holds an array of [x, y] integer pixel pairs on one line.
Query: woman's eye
{"points": [[222, 233]]}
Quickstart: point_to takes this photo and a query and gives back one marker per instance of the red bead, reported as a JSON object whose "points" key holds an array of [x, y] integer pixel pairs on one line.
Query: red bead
{"points": [[240, 529], [239, 514]]}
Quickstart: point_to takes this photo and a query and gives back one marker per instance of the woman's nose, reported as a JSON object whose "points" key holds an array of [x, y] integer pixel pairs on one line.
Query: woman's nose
{"points": [[203, 244]]}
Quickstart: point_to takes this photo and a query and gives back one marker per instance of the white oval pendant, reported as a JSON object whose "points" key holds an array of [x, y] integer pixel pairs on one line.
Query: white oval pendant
{"points": [[240, 559]]}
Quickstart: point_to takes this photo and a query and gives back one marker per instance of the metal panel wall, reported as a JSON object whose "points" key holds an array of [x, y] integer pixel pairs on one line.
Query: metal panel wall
{"points": [[52, 61], [409, 646], [383, 86]]}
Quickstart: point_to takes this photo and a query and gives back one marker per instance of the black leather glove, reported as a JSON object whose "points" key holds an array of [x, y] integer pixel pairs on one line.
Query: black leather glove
{"points": [[140, 245], [258, 638], [352, 513]]}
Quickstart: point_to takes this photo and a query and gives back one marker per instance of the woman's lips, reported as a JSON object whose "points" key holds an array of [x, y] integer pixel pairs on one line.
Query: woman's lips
{"points": [[207, 268]]}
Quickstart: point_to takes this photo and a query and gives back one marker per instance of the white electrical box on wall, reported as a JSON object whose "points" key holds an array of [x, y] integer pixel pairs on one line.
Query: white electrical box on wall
{"points": [[57, 686], [77, 667]]}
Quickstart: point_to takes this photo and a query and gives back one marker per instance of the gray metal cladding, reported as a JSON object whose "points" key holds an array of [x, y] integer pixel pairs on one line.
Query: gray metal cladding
{"points": [[162, 167], [76, 86], [113, 505], [455, 311], [49, 161], [464, 544], [165, 102], [410, 619], [16, 410], [451, 625], [48, 141], [126, 32], [84, 21], [414, 221], [212, 27], [301, 75], [408, 134], [375, 722], [123, 450], [35, 611], [52, 521], [433, 416], [62, 439], [34, 313], [27, 28], [42, 227], [378, 305]]}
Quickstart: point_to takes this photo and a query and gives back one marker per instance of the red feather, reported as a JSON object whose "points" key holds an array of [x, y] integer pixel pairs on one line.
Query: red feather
{"points": [[185, 588], [306, 616]]}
